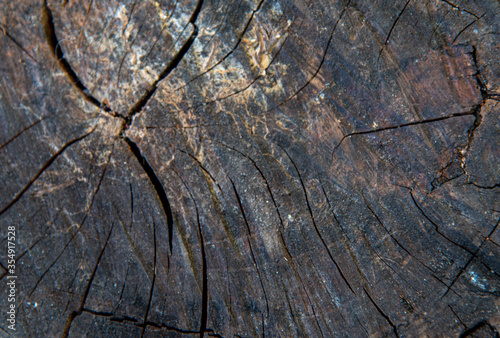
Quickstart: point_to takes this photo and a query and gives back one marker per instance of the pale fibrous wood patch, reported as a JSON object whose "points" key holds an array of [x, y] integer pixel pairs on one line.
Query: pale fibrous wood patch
{"points": [[262, 40]]}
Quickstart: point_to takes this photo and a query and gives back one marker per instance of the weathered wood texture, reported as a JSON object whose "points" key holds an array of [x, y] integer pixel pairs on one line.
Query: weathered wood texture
{"points": [[250, 168]]}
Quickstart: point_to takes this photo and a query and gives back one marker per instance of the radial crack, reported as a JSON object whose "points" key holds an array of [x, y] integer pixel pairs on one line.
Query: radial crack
{"points": [[486, 187], [204, 282], [203, 168], [284, 288], [470, 259], [465, 28], [240, 90], [47, 227], [455, 314], [137, 107], [249, 235], [129, 47], [394, 328], [323, 58], [148, 307], [87, 212], [392, 236], [460, 9], [41, 171], [436, 226], [230, 52], [84, 22], [112, 317], [477, 327], [265, 181], [155, 181], [56, 50], [392, 28], [472, 112], [78, 312], [11, 38], [204, 293], [164, 25], [314, 222], [25, 129]]}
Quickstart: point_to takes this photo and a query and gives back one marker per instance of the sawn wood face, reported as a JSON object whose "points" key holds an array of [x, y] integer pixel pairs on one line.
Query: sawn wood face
{"points": [[250, 168]]}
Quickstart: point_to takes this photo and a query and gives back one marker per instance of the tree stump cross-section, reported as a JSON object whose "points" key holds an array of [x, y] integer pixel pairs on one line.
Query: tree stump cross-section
{"points": [[250, 168]]}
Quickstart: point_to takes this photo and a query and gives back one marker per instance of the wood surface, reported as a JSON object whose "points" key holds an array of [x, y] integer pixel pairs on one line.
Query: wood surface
{"points": [[248, 168]]}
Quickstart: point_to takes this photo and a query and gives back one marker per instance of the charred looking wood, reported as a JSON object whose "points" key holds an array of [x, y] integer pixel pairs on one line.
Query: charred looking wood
{"points": [[262, 230]]}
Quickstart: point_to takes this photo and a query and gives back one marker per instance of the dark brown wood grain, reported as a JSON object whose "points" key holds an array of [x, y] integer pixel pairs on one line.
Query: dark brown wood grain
{"points": [[251, 168]]}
